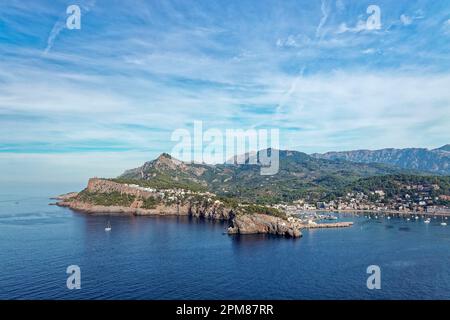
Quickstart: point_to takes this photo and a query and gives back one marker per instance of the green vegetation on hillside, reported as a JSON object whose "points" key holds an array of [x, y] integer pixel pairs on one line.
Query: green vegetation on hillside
{"points": [[300, 176], [150, 203], [253, 208], [106, 199], [392, 184], [162, 181]]}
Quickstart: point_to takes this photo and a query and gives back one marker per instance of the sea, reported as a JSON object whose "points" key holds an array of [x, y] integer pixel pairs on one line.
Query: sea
{"points": [[189, 258]]}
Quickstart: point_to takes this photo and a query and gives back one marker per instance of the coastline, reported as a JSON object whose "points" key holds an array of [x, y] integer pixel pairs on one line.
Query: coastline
{"points": [[238, 223], [396, 212], [249, 223]]}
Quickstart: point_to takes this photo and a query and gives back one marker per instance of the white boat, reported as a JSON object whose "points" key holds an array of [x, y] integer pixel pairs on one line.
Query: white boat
{"points": [[427, 221], [108, 227], [443, 223], [389, 218], [417, 217], [407, 219]]}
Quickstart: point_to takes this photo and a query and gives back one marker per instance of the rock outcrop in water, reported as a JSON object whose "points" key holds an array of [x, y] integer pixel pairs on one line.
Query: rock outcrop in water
{"points": [[262, 223]]}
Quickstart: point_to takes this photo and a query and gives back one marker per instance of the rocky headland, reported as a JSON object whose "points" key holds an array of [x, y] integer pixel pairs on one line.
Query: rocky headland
{"points": [[203, 206]]}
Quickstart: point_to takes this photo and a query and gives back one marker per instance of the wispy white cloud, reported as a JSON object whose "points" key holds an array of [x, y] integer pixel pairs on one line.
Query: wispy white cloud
{"points": [[294, 41], [60, 24], [325, 8], [406, 20], [158, 67], [56, 30], [340, 5], [446, 26], [361, 25], [369, 51]]}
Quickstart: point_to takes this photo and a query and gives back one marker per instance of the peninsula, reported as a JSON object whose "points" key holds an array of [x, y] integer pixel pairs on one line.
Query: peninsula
{"points": [[252, 203]]}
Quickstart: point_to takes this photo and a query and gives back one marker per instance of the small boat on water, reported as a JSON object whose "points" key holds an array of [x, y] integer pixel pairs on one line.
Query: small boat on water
{"points": [[389, 217], [427, 221], [443, 223], [108, 227], [408, 219], [417, 218]]}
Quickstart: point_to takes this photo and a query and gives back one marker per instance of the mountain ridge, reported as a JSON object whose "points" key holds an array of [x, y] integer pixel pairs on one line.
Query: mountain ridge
{"points": [[299, 175], [435, 161]]}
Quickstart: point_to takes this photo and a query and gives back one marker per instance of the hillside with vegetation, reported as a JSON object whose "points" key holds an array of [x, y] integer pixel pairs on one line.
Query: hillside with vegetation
{"points": [[435, 161], [300, 176]]}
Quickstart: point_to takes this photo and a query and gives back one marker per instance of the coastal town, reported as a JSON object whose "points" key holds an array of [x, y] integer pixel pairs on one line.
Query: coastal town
{"points": [[418, 199], [411, 199]]}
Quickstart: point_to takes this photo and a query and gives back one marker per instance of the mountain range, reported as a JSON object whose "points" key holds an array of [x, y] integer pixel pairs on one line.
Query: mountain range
{"points": [[300, 175], [434, 160]]}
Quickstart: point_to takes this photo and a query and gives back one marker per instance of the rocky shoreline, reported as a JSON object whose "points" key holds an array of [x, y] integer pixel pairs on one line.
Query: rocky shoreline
{"points": [[239, 222], [394, 212]]}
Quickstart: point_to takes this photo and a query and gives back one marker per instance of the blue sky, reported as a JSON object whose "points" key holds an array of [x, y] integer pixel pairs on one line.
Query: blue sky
{"points": [[95, 101]]}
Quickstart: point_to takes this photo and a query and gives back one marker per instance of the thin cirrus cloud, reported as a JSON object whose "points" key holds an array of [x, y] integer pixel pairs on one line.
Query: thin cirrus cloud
{"points": [[118, 87]]}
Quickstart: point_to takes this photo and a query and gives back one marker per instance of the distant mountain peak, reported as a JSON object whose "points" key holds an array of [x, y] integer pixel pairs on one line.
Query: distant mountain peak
{"points": [[445, 148], [164, 156], [422, 159], [166, 160]]}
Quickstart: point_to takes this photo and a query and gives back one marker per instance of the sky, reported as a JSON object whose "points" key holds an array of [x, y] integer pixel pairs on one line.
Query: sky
{"points": [[94, 101]]}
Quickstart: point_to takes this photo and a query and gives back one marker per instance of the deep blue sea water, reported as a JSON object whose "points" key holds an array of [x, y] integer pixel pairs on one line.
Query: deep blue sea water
{"points": [[182, 258]]}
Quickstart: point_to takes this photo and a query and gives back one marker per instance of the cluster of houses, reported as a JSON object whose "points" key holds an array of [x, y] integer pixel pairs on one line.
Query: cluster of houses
{"points": [[174, 194], [417, 198], [414, 198]]}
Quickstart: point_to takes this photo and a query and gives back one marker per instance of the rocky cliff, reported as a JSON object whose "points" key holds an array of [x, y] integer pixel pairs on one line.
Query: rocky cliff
{"points": [[240, 223], [262, 223]]}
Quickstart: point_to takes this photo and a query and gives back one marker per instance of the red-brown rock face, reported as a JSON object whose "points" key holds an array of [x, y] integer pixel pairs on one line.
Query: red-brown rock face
{"points": [[262, 223]]}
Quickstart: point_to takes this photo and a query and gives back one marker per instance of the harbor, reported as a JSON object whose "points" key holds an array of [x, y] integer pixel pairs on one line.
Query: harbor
{"points": [[333, 219]]}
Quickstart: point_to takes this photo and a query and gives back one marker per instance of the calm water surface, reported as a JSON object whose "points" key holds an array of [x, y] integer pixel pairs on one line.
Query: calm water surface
{"points": [[182, 258]]}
